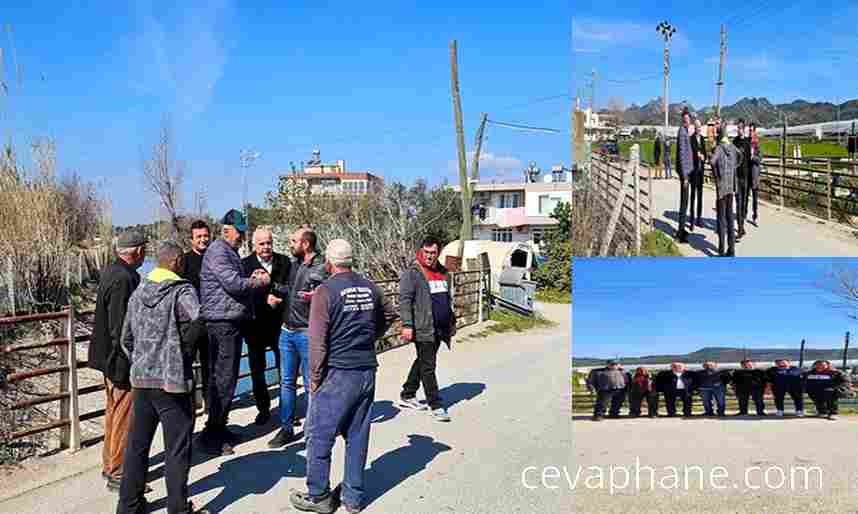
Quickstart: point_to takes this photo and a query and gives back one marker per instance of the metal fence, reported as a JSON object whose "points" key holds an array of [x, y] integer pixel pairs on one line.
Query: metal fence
{"points": [[470, 297]]}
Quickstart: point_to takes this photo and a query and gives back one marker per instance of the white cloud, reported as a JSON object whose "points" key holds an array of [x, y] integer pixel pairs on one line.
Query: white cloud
{"points": [[491, 165]]}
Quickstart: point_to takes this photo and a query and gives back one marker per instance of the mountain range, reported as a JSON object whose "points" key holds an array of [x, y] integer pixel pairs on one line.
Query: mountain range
{"points": [[727, 355], [760, 110]]}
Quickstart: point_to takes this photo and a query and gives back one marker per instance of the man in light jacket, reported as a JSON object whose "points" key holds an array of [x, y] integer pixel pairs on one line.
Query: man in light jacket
{"points": [[684, 168], [609, 384], [725, 159]]}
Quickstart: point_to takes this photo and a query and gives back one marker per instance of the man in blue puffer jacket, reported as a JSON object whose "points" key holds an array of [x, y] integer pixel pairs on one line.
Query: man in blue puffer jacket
{"points": [[226, 301]]}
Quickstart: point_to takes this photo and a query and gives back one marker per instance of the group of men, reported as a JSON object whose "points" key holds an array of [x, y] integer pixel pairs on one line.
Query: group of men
{"points": [[735, 167], [313, 311], [612, 385]]}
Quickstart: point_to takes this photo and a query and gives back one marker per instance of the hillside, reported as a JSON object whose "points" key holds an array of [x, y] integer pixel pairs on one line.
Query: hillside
{"points": [[727, 355], [762, 111]]}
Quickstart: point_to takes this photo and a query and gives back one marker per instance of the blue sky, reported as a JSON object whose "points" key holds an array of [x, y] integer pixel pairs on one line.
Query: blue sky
{"points": [[632, 307], [367, 82]]}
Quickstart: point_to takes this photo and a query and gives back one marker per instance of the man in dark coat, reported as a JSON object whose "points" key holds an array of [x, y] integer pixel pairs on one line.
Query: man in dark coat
{"points": [[743, 177], [677, 383], [711, 382], [264, 331], [749, 382], [698, 149], [823, 384], [656, 155], [191, 266], [118, 280], [609, 384], [786, 379], [724, 160], [684, 168]]}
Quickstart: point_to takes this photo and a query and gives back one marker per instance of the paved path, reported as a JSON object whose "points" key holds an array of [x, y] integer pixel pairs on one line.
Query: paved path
{"points": [[510, 398], [740, 445], [780, 234]]}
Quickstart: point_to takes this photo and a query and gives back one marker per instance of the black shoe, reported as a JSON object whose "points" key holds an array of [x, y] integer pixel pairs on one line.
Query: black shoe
{"points": [[262, 418], [651, 415], [296, 422], [281, 439], [303, 502], [613, 416], [231, 437], [596, 418], [113, 485]]}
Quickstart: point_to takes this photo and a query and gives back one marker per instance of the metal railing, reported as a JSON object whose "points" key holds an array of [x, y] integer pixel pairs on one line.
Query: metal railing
{"points": [[470, 290]]}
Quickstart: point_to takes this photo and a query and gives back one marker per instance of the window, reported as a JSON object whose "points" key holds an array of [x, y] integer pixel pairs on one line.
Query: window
{"points": [[503, 235], [509, 200], [547, 204]]}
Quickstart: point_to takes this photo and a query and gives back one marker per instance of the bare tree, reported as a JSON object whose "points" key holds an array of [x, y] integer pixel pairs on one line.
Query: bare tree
{"points": [[164, 176], [842, 284]]}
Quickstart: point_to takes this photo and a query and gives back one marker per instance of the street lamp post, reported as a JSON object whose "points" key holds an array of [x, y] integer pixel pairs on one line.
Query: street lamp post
{"points": [[246, 157], [667, 30]]}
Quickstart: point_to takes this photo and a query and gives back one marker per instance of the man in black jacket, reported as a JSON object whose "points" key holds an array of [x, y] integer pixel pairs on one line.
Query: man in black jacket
{"points": [[822, 384], [306, 273], [711, 382], [191, 266], [698, 149], [610, 385], [426, 309], [743, 177], [786, 379], [656, 156], [749, 382], [118, 280], [676, 384], [263, 332]]}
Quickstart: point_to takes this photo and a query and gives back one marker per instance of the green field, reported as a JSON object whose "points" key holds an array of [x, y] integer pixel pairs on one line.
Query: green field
{"points": [[769, 146]]}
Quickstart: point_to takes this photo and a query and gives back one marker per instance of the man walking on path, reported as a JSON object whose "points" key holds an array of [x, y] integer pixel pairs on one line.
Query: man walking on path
{"points": [[743, 176], [347, 316], [264, 331], [306, 274], [609, 384], [684, 167], [698, 148], [158, 337], [193, 263], [426, 310], [725, 160], [225, 304], [118, 281]]}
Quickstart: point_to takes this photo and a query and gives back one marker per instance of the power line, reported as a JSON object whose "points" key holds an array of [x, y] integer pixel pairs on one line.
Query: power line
{"points": [[527, 127]]}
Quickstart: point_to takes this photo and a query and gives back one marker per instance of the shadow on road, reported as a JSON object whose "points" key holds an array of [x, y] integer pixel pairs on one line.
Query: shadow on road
{"points": [[695, 239], [396, 466], [455, 393], [383, 410]]}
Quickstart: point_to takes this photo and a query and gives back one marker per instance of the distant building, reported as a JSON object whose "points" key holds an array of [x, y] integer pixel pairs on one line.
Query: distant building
{"points": [[519, 212], [334, 179]]}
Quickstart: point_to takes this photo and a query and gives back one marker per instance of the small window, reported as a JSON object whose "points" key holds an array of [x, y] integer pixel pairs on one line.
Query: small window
{"points": [[503, 235]]}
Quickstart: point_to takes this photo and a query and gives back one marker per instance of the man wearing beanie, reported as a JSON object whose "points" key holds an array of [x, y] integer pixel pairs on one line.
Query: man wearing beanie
{"points": [[226, 302]]}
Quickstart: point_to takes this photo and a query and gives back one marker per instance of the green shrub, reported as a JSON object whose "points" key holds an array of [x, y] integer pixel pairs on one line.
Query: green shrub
{"points": [[656, 243]]}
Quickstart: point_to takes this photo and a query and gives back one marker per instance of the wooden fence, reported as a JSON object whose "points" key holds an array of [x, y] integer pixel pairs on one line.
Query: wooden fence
{"points": [[627, 189], [470, 295]]}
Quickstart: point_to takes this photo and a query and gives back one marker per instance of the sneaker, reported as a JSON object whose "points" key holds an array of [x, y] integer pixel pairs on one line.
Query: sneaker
{"points": [[304, 502], [440, 414], [412, 403], [282, 438], [800, 413], [262, 418], [779, 413]]}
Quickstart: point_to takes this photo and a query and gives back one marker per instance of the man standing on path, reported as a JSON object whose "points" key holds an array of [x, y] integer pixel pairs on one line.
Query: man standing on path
{"points": [[609, 384], [698, 148], [786, 378], [226, 303], [684, 168], [347, 316], [712, 385], [264, 331], [118, 281], [749, 382], [725, 159], [656, 156], [158, 336], [743, 177], [193, 263], [676, 384], [306, 274], [426, 310]]}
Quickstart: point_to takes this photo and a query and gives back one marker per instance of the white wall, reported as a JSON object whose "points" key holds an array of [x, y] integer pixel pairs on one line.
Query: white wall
{"points": [[531, 201]]}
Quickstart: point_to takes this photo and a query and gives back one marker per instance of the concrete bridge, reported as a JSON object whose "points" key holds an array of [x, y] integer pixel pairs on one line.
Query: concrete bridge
{"points": [[508, 396]]}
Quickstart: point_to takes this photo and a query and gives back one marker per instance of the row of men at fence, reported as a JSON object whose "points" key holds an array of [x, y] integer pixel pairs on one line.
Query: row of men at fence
{"points": [[313, 311], [735, 166], [612, 385]]}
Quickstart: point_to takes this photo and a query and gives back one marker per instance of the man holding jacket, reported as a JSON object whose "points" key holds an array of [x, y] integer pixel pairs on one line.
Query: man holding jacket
{"points": [[118, 281], [426, 309], [158, 337], [227, 302]]}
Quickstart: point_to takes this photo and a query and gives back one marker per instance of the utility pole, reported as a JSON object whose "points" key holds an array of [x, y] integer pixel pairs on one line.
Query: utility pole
{"points": [[593, 91], [478, 143], [845, 350], [720, 82], [467, 229], [667, 30], [246, 157]]}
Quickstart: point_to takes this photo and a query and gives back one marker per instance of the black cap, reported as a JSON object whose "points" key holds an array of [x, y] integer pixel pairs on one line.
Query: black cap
{"points": [[235, 219]]}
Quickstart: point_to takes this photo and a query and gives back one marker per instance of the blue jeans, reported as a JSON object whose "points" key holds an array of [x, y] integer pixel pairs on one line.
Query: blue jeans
{"points": [[294, 352], [713, 393], [342, 405]]}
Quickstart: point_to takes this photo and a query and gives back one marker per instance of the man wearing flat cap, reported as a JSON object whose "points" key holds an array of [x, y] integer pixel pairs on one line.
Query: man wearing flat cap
{"points": [[226, 302], [118, 280]]}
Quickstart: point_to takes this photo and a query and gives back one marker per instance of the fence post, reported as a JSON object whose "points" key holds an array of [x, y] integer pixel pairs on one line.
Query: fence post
{"points": [[80, 268], [480, 295], [74, 401], [783, 162], [635, 166], [830, 189], [10, 281], [649, 197]]}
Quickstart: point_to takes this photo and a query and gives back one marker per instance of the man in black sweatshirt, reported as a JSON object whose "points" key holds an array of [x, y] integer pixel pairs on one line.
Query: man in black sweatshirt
{"points": [[822, 383], [786, 378], [191, 266], [347, 315], [749, 382]]}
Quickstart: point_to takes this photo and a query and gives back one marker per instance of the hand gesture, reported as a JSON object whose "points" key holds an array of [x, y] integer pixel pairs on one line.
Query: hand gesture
{"points": [[407, 334], [274, 301]]}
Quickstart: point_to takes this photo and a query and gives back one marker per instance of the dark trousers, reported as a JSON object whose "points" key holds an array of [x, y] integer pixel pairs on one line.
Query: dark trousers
{"points": [[741, 202], [825, 401], [743, 395], [342, 405], [795, 393], [225, 355], [696, 197], [259, 339], [670, 398], [201, 352], [716, 394], [755, 193], [726, 219], [612, 397], [683, 203], [176, 413], [423, 371], [635, 400]]}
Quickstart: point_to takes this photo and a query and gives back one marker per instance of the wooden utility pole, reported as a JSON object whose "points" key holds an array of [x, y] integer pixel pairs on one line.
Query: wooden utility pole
{"points": [[720, 82], [467, 228], [478, 143]]}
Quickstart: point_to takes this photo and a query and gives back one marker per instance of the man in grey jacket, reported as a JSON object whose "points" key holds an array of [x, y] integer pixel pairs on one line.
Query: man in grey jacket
{"points": [[426, 310], [609, 384], [725, 159], [226, 302], [685, 168], [158, 336]]}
